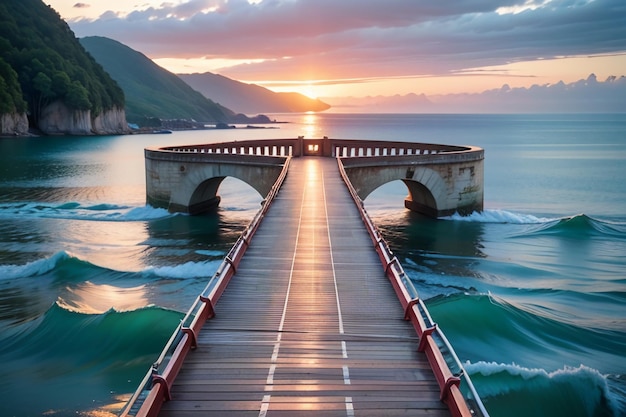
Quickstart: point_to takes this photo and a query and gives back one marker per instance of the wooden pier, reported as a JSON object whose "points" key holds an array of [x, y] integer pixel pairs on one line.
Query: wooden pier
{"points": [[309, 324]]}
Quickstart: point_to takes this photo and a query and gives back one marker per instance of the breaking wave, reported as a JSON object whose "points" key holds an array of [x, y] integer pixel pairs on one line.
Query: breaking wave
{"points": [[77, 211]]}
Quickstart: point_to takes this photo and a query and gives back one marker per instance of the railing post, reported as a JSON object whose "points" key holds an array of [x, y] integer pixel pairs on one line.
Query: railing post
{"points": [[423, 338], [192, 335], [407, 310], [158, 379]]}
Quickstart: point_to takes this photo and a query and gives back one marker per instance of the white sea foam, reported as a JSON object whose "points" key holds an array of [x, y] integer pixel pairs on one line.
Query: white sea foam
{"points": [[186, 270], [76, 211], [505, 378], [499, 216], [34, 268]]}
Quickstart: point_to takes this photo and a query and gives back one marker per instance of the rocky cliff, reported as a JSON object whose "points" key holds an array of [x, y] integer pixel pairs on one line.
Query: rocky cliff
{"points": [[47, 74], [110, 122], [13, 124], [58, 119]]}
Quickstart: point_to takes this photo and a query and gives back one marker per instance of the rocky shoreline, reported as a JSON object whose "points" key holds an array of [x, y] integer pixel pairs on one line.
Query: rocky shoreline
{"points": [[58, 119]]}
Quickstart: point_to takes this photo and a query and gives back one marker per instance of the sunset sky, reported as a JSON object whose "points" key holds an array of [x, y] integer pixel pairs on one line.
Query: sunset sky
{"points": [[332, 48]]}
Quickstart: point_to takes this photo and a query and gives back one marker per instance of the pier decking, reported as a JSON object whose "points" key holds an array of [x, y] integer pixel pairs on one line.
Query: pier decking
{"points": [[309, 324], [310, 313]]}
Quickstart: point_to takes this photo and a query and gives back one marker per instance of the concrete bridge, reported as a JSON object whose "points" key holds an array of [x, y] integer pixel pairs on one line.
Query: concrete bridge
{"points": [[440, 179]]}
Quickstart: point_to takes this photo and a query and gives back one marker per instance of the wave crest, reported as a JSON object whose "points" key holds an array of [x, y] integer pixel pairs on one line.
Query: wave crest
{"points": [[70, 338], [499, 216], [579, 224], [35, 268], [77, 211], [187, 270], [570, 391]]}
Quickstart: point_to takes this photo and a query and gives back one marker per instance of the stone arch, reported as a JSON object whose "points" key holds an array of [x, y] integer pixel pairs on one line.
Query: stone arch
{"points": [[420, 198], [197, 191], [427, 190], [205, 197]]}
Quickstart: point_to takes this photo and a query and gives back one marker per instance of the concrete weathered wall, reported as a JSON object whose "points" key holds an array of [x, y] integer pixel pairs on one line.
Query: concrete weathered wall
{"points": [[437, 186], [440, 179], [189, 182]]}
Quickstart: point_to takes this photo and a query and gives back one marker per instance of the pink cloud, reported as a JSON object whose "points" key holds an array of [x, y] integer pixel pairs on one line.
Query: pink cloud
{"points": [[365, 38]]}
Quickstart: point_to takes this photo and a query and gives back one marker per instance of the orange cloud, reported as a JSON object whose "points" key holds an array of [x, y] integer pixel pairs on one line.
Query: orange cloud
{"points": [[304, 40]]}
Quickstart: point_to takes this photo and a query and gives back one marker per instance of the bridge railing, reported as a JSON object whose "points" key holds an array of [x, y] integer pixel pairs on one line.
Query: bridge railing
{"points": [[344, 148], [261, 147], [443, 360], [155, 386]]}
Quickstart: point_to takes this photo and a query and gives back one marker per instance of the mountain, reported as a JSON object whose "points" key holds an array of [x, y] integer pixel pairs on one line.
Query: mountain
{"points": [[583, 96], [151, 91], [250, 98], [48, 81]]}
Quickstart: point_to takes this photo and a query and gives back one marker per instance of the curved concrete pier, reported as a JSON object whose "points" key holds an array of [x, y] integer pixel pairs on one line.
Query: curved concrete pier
{"points": [[440, 179]]}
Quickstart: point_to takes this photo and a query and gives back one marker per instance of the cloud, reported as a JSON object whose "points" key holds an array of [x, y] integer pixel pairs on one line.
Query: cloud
{"points": [[81, 6], [583, 96], [329, 39]]}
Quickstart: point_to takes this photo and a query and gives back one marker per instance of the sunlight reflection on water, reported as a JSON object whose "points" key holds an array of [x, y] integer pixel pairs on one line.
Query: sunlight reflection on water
{"points": [[90, 298]]}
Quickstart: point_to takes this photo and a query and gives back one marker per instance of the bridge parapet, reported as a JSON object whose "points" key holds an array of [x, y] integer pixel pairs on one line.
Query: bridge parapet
{"points": [[187, 181], [441, 179], [350, 148], [319, 147], [262, 147]]}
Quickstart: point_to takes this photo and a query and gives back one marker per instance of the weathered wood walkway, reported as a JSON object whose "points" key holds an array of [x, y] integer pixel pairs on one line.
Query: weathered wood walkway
{"points": [[309, 324]]}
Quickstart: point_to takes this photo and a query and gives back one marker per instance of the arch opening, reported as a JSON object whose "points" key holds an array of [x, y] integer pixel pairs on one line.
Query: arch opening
{"points": [[386, 197], [420, 199], [204, 198], [211, 192]]}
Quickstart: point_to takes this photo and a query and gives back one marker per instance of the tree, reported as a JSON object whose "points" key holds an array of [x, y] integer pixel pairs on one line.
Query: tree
{"points": [[10, 92], [60, 83], [78, 97], [48, 63], [43, 85]]}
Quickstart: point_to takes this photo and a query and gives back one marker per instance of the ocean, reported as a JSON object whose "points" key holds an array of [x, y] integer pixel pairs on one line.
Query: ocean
{"points": [[531, 292]]}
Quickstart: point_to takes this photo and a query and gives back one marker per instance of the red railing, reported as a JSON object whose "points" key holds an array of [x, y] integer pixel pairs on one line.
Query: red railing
{"points": [[415, 310], [155, 387]]}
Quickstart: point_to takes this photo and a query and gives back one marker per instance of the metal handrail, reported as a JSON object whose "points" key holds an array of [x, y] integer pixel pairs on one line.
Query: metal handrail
{"points": [[170, 355], [413, 302]]}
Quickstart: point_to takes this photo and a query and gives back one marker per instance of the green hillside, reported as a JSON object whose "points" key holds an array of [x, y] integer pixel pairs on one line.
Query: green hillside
{"points": [[151, 91], [250, 98], [41, 61]]}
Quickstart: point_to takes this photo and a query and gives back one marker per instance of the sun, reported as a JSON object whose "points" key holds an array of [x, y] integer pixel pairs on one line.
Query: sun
{"points": [[309, 90]]}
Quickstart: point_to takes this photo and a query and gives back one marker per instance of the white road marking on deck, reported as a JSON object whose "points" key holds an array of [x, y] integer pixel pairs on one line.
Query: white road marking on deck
{"points": [[344, 348], [349, 407], [265, 404]]}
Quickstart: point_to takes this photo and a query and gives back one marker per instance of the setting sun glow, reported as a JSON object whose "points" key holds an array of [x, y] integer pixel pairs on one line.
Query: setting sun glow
{"points": [[344, 50]]}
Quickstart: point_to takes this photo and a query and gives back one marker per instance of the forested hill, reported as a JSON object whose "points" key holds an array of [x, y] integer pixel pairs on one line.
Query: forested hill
{"points": [[250, 98], [152, 91], [44, 67]]}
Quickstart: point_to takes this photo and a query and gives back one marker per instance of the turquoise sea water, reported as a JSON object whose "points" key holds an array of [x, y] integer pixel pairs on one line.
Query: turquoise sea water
{"points": [[531, 292]]}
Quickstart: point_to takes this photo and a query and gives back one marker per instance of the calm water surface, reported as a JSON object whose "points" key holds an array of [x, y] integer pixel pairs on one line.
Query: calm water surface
{"points": [[531, 292]]}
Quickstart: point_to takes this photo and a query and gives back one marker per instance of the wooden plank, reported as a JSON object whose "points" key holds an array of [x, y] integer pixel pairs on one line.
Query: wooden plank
{"points": [[309, 325]]}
